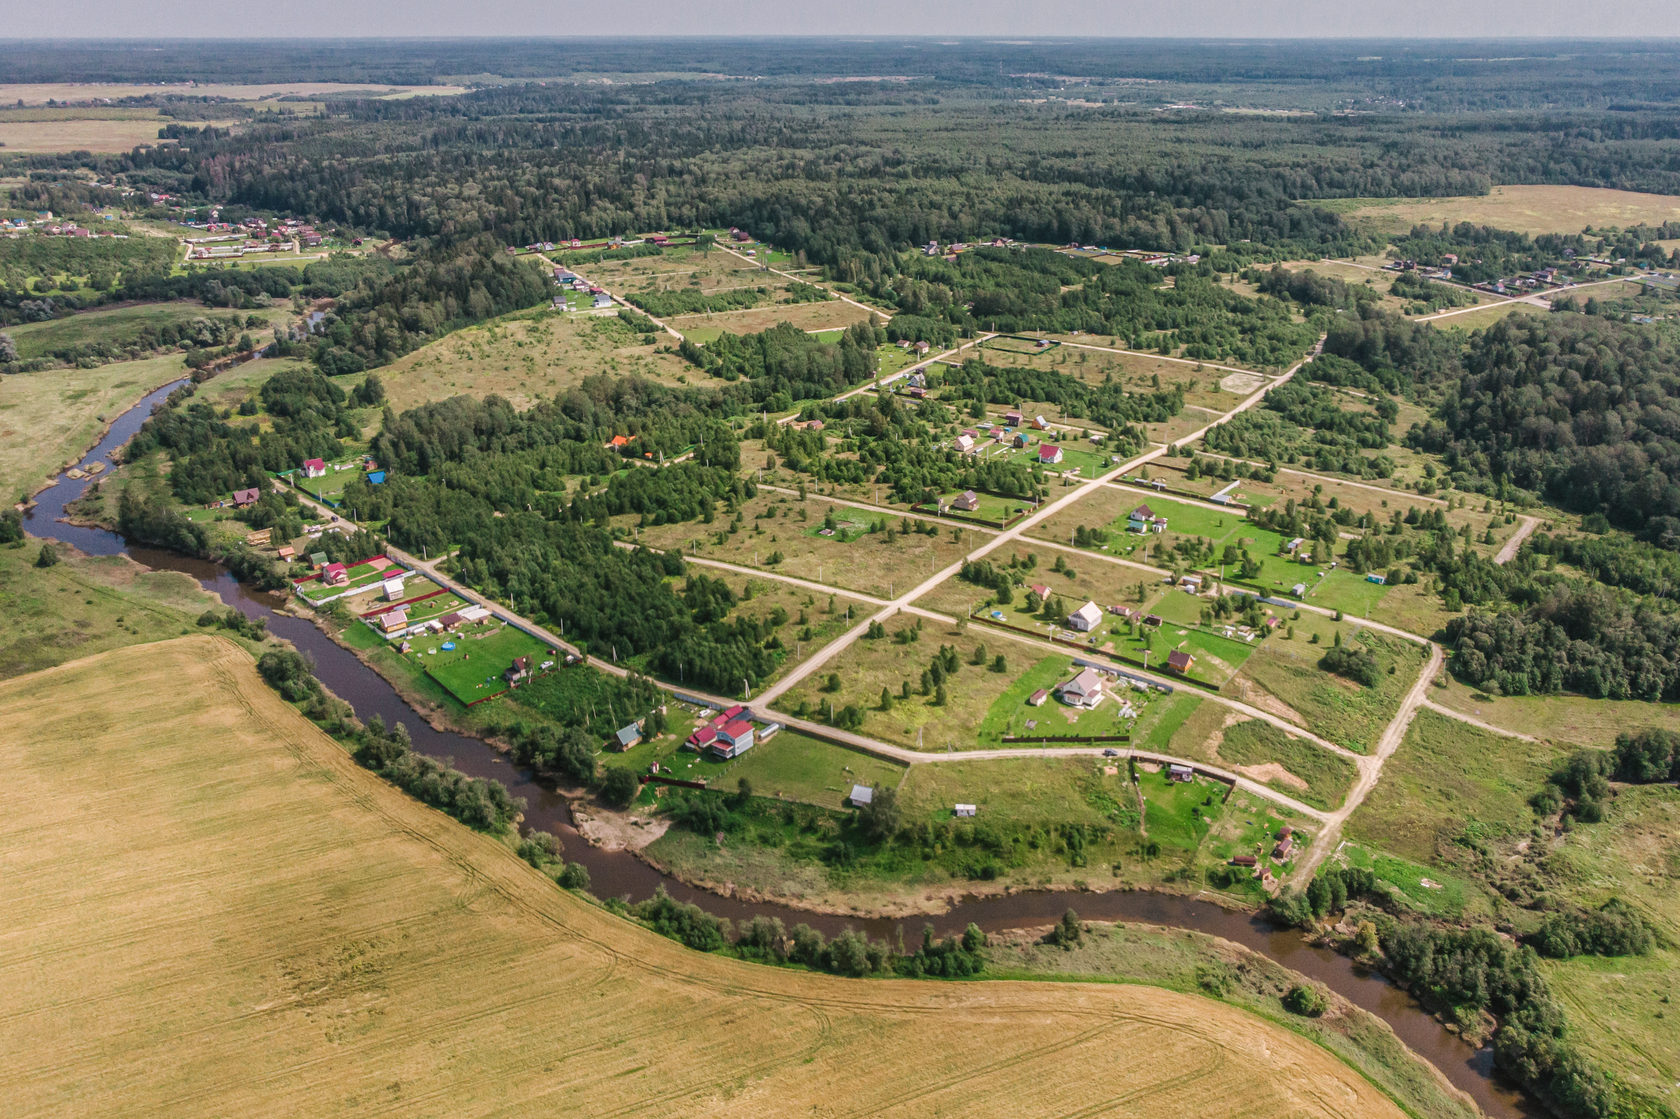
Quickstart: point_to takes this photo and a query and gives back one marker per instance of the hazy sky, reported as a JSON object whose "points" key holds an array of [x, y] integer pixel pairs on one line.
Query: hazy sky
{"points": [[1124, 18]]}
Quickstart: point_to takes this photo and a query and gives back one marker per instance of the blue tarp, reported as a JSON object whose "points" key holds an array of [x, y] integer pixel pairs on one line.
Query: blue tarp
{"points": [[375, 477]]}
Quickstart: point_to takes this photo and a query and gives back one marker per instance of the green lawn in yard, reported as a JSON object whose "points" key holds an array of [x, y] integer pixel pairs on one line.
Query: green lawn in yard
{"points": [[1178, 813], [1010, 713], [889, 359], [359, 575], [1161, 720], [473, 669], [794, 766], [700, 335]]}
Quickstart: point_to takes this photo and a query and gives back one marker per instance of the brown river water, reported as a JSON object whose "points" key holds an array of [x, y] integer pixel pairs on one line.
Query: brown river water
{"points": [[622, 874]]}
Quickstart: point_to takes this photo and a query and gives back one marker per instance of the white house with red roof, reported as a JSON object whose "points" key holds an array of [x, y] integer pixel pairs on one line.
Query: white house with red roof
{"points": [[314, 468], [734, 738], [1049, 454]]}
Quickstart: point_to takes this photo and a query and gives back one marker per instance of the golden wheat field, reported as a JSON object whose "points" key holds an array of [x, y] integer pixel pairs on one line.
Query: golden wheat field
{"points": [[212, 911]]}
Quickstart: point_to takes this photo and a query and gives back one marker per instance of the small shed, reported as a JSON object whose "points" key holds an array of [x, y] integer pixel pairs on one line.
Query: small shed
{"points": [[1037, 698], [393, 588], [964, 810], [860, 796], [1180, 773], [1180, 661]]}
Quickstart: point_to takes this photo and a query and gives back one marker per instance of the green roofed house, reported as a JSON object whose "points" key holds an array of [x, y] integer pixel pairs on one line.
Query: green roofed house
{"points": [[317, 559]]}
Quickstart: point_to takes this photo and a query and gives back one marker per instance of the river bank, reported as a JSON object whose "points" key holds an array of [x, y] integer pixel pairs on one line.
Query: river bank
{"points": [[623, 872]]}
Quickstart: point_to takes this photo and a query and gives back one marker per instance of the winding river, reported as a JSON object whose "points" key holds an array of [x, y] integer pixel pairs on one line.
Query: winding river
{"points": [[620, 873]]}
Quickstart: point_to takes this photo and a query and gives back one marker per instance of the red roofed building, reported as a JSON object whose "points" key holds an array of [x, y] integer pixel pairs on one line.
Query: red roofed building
{"points": [[1180, 661], [1049, 454], [733, 739], [314, 468], [334, 575], [702, 737]]}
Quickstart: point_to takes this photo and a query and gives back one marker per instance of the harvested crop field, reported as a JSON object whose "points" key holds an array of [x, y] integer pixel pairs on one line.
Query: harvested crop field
{"points": [[283, 934]]}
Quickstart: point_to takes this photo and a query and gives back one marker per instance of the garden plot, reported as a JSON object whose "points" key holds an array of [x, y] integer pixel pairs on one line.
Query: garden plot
{"points": [[472, 663]]}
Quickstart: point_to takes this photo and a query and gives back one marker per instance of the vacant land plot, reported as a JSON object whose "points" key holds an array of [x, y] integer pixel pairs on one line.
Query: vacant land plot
{"points": [[120, 327], [774, 536], [1487, 316], [826, 315], [48, 419], [1526, 209], [1451, 780], [793, 766], [1304, 770], [1085, 360], [528, 356], [294, 913], [1283, 677]]}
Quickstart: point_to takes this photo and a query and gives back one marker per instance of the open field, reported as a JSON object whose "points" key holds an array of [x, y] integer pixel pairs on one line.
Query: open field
{"points": [[1302, 769], [121, 326], [38, 93], [81, 606], [1487, 316], [876, 563], [826, 315], [1525, 209], [49, 418], [1181, 960], [1139, 373], [790, 766], [1450, 780], [1572, 719], [527, 356], [99, 135], [1619, 1007], [289, 912]]}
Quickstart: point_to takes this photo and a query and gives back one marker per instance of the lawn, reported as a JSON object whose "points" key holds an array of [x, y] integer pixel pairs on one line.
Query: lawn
{"points": [[790, 766], [301, 914], [494, 643], [1012, 794], [1178, 814], [1560, 718], [1011, 715], [1451, 788], [49, 419], [361, 575]]}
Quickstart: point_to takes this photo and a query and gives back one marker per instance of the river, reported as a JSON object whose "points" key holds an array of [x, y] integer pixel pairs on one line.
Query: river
{"points": [[620, 873]]}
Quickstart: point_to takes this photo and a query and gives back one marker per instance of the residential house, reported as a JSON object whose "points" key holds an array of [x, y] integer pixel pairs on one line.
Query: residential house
{"points": [[1022, 439], [242, 498], [1041, 423], [1049, 454], [1152, 620], [1042, 591], [393, 622], [335, 575], [1085, 690], [860, 796], [1191, 583], [1146, 520], [1180, 773], [602, 302], [287, 553], [921, 348], [618, 442], [393, 588], [701, 738], [1012, 419], [518, 672], [317, 559], [627, 737], [733, 739], [1086, 618], [1283, 848], [314, 468], [450, 621], [1294, 545], [1180, 661], [964, 443], [966, 502]]}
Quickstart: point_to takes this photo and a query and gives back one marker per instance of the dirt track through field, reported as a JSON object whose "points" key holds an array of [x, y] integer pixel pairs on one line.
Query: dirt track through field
{"points": [[283, 934]]}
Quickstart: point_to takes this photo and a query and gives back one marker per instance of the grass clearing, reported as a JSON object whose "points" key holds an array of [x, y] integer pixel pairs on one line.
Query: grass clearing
{"points": [[86, 605], [122, 326], [527, 356], [1562, 718], [1522, 208], [295, 911], [495, 644], [50, 418], [1293, 766], [827, 315], [1449, 784]]}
